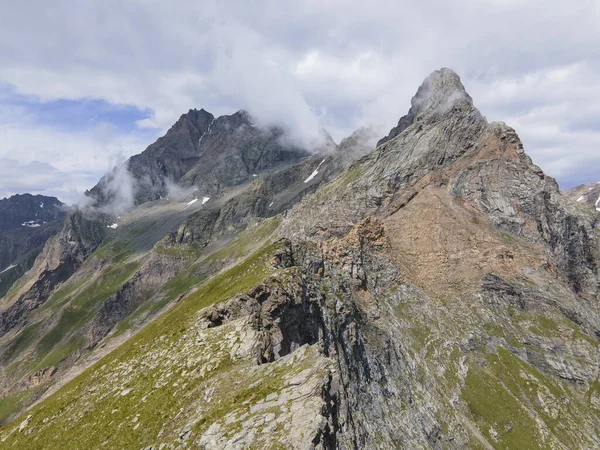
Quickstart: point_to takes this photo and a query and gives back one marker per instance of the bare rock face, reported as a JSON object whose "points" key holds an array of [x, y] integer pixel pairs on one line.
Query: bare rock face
{"points": [[273, 192], [441, 92], [26, 223], [169, 158], [206, 153], [29, 211]]}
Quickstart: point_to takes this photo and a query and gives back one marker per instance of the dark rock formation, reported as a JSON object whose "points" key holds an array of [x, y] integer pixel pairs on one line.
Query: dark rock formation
{"points": [[203, 152], [62, 255], [26, 223]]}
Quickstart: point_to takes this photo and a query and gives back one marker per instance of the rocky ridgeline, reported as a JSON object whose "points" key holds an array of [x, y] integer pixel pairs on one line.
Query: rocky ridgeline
{"points": [[206, 153]]}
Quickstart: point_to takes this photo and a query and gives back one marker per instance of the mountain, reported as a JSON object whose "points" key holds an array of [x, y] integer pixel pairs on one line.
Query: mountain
{"points": [[103, 276], [207, 153], [588, 194], [436, 291], [26, 223]]}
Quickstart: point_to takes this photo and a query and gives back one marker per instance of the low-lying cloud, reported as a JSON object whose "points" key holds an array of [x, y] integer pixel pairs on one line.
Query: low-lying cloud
{"points": [[178, 193]]}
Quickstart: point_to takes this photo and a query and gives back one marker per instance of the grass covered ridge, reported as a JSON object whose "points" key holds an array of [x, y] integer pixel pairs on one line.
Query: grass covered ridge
{"points": [[164, 332], [147, 377]]}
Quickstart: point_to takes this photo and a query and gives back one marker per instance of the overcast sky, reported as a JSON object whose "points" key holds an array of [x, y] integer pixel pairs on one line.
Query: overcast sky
{"points": [[85, 84]]}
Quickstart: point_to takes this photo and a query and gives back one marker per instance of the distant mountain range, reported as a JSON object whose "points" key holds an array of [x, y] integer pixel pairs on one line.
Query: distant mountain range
{"points": [[586, 193]]}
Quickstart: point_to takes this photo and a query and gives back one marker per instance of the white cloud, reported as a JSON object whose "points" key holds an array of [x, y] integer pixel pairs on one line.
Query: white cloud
{"points": [[64, 164]]}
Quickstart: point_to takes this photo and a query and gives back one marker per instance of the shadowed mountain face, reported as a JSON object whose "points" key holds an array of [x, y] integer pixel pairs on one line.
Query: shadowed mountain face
{"points": [[437, 291], [206, 153], [28, 211], [26, 223]]}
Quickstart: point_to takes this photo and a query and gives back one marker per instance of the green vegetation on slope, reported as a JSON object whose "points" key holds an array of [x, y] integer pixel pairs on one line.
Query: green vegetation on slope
{"points": [[139, 382], [84, 305]]}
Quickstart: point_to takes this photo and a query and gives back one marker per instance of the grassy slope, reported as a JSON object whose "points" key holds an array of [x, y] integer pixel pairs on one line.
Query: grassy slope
{"points": [[84, 401]]}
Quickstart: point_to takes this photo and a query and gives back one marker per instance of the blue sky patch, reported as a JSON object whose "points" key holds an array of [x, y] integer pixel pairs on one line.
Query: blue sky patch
{"points": [[77, 115]]}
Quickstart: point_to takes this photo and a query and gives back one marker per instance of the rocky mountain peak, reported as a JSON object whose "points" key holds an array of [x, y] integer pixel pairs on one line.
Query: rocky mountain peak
{"points": [[441, 90], [199, 119], [324, 290], [440, 93]]}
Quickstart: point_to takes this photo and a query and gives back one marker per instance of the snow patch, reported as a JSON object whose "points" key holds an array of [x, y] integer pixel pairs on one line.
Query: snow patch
{"points": [[315, 172], [271, 204], [205, 199], [254, 175], [207, 131], [30, 224], [41, 205], [12, 266], [113, 226], [188, 204], [581, 199]]}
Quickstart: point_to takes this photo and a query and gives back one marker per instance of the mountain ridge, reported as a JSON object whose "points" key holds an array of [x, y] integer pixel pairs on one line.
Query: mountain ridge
{"points": [[437, 292], [203, 152], [106, 271]]}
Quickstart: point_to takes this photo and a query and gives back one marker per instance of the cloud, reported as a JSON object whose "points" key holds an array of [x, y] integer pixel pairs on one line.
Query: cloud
{"points": [[34, 175], [304, 64], [178, 193], [44, 160], [120, 188], [552, 112]]}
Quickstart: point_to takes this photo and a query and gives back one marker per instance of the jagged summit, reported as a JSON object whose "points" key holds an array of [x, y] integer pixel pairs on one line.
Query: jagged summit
{"points": [[440, 87], [27, 210], [203, 152], [439, 93], [195, 118]]}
